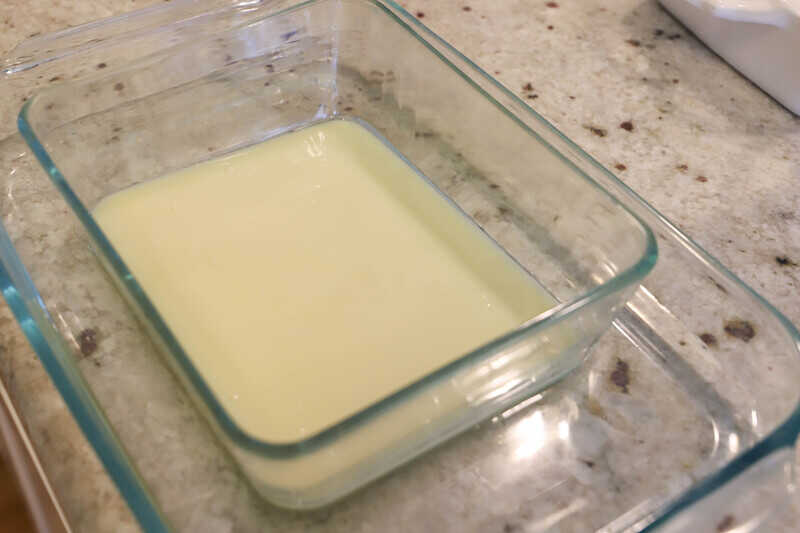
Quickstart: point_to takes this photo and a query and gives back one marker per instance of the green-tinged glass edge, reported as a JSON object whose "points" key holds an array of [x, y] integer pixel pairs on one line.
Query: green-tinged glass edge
{"points": [[20, 294], [231, 429]]}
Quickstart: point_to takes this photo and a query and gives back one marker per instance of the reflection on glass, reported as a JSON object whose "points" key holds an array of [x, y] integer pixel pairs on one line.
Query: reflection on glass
{"points": [[530, 435]]}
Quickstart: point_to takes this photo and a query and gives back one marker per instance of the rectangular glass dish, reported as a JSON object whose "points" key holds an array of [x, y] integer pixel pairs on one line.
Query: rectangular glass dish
{"points": [[654, 430], [311, 63]]}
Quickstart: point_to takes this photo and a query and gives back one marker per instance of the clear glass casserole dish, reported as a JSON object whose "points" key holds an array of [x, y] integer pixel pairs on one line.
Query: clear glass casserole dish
{"points": [[648, 427], [334, 59]]}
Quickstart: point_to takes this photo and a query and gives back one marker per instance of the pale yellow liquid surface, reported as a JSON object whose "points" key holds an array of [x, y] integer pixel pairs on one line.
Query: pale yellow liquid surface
{"points": [[313, 274]]}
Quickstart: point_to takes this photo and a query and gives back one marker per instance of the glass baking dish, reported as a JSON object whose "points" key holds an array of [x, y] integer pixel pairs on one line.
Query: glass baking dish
{"points": [[657, 429], [335, 59]]}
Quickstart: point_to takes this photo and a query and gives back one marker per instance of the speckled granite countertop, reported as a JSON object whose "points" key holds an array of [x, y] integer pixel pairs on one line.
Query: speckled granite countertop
{"points": [[622, 79]]}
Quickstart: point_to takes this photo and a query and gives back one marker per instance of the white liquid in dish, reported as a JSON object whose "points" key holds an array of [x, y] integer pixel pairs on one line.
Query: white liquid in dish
{"points": [[313, 274]]}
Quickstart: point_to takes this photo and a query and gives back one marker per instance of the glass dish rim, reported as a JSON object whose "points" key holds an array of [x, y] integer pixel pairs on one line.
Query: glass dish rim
{"points": [[280, 450], [25, 302]]}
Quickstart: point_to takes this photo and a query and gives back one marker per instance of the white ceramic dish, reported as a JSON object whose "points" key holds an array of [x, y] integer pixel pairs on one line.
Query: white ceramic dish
{"points": [[760, 38]]}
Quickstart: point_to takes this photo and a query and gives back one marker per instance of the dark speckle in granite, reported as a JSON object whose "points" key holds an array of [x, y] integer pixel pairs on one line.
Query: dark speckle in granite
{"points": [[620, 376], [527, 87], [119, 86], [466, 8], [682, 167], [87, 341], [718, 285], [784, 261], [627, 125], [600, 132], [658, 32], [674, 36], [726, 524], [740, 329], [620, 167], [633, 42], [709, 339], [101, 65], [701, 179], [552, 4], [420, 14], [550, 27]]}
